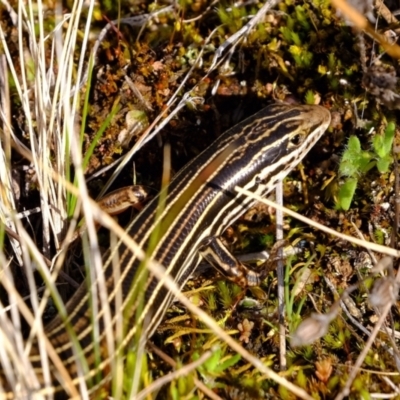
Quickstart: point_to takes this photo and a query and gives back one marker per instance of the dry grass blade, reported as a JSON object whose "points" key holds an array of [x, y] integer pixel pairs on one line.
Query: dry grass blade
{"points": [[362, 24], [368, 245], [49, 122], [281, 283]]}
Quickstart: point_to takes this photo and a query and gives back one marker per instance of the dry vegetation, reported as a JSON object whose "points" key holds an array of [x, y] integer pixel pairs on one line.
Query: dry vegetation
{"points": [[87, 109]]}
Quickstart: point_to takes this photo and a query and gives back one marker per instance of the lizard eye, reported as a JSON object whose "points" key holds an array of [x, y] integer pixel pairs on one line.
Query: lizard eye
{"points": [[296, 140]]}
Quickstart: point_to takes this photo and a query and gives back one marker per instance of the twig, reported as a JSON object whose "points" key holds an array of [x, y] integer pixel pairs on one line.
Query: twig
{"points": [[281, 279], [373, 246]]}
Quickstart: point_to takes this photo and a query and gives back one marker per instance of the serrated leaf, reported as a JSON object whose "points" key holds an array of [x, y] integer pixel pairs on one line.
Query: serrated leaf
{"points": [[346, 193]]}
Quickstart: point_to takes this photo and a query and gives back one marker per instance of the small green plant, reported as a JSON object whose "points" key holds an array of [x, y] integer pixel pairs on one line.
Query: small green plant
{"points": [[215, 366], [356, 162], [294, 300], [310, 97], [227, 292]]}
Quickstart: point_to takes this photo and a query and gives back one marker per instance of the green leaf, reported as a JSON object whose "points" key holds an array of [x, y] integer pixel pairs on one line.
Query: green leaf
{"points": [[301, 379], [310, 98], [286, 33], [354, 160], [290, 23], [353, 145], [346, 193], [302, 57], [307, 58], [379, 237], [365, 162], [322, 69], [332, 62], [302, 17], [295, 38], [348, 165], [230, 362], [321, 249], [174, 393], [383, 164], [383, 143], [348, 168], [212, 363]]}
